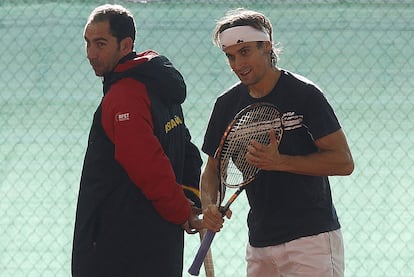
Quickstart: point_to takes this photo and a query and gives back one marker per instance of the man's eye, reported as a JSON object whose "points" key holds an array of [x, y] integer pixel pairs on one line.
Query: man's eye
{"points": [[244, 51], [230, 57]]}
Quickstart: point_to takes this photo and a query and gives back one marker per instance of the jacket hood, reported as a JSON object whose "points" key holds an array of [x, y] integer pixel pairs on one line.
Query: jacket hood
{"points": [[155, 71]]}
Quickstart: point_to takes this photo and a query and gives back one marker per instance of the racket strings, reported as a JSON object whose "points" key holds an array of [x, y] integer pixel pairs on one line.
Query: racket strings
{"points": [[254, 125]]}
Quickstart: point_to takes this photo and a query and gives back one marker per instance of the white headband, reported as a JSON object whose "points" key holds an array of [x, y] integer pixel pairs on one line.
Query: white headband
{"points": [[239, 34]]}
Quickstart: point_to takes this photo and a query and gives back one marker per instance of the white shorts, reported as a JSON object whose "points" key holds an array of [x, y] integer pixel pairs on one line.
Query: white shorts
{"points": [[320, 255]]}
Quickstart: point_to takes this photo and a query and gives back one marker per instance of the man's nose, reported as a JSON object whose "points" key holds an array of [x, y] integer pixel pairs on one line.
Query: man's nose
{"points": [[91, 53]]}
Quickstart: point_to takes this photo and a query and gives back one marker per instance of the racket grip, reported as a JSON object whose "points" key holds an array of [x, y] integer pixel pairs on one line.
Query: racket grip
{"points": [[194, 269]]}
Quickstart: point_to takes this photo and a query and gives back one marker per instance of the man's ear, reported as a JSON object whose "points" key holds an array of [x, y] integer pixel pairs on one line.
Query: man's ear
{"points": [[126, 45], [268, 45]]}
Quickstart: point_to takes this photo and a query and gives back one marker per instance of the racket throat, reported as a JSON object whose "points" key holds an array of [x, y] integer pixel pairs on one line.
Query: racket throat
{"points": [[225, 208]]}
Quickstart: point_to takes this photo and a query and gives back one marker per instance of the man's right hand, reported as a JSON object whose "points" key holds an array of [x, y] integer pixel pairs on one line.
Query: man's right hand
{"points": [[213, 218]]}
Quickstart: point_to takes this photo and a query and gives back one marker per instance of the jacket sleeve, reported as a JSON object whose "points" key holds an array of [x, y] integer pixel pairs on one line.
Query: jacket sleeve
{"points": [[192, 171], [127, 120]]}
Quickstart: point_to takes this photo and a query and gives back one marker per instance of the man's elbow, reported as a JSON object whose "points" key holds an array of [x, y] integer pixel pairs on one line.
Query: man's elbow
{"points": [[348, 166]]}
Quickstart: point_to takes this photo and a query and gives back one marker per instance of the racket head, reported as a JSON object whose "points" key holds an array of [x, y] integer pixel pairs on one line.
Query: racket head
{"points": [[254, 122]]}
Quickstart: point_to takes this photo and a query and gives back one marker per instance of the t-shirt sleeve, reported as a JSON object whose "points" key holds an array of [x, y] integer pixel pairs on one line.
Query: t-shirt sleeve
{"points": [[319, 115], [214, 131]]}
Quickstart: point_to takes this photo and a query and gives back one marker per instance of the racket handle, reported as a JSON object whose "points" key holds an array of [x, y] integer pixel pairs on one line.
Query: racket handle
{"points": [[194, 269]]}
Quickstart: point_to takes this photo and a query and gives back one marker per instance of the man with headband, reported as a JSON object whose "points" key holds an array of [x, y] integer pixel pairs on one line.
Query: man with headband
{"points": [[293, 226]]}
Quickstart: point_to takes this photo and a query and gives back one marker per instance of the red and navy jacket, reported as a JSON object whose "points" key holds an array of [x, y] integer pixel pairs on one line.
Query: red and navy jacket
{"points": [[131, 199]]}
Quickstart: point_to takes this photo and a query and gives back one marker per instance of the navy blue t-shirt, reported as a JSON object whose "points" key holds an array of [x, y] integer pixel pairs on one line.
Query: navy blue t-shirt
{"points": [[284, 206]]}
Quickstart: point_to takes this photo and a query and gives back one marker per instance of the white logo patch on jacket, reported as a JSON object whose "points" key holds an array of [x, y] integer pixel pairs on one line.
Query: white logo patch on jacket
{"points": [[122, 117]]}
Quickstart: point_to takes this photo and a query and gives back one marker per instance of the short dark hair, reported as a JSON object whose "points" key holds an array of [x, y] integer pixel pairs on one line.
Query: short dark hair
{"points": [[121, 20]]}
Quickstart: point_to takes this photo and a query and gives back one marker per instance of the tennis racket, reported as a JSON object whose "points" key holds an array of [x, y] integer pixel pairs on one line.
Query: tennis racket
{"points": [[255, 122]]}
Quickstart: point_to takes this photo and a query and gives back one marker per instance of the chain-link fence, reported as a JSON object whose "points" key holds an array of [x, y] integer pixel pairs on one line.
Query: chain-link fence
{"points": [[359, 52]]}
